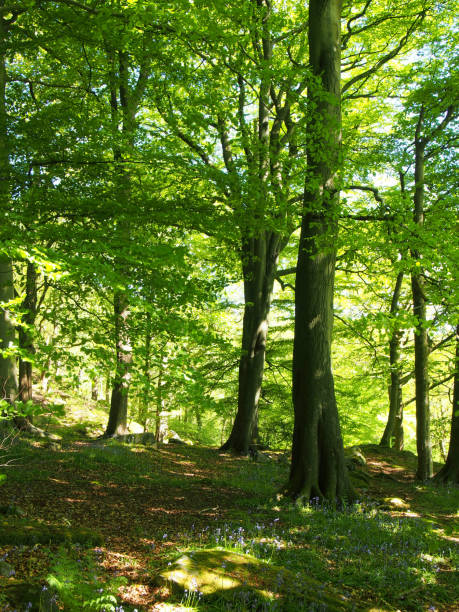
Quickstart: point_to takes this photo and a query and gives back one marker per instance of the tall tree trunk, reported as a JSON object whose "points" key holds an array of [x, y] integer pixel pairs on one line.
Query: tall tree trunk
{"points": [[159, 397], [421, 346], [259, 268], [123, 102], [144, 411], [25, 334], [117, 421], [449, 473], [8, 373], [318, 467], [393, 433]]}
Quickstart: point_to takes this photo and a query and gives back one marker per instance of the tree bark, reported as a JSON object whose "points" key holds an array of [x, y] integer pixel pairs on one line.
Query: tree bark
{"points": [[318, 468], [393, 433], [25, 335], [449, 473], [8, 372], [117, 421], [159, 396], [421, 346], [259, 268], [124, 101]]}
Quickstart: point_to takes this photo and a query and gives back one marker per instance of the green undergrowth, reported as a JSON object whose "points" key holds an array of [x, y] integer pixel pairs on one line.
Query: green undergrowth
{"points": [[76, 580], [393, 550], [370, 556]]}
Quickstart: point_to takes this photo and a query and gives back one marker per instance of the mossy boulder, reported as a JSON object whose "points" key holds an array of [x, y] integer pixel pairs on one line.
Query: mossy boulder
{"points": [[245, 582], [25, 532], [354, 457], [145, 438]]}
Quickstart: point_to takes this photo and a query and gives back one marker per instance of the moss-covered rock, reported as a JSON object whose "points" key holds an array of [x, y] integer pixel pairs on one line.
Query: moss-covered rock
{"points": [[13, 531], [248, 582]]}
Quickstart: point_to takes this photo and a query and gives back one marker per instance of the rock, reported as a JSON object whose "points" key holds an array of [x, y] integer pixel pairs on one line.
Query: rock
{"points": [[244, 582], [392, 503], [354, 457], [173, 438], [148, 439], [145, 438]]}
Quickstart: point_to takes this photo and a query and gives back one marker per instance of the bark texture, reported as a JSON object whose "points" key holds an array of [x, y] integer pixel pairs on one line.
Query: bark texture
{"points": [[318, 468], [421, 346], [449, 473], [259, 268], [264, 202], [25, 333], [124, 101], [393, 432], [8, 372], [117, 421]]}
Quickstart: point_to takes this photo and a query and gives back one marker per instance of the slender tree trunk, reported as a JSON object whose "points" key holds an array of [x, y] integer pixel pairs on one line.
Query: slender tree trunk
{"points": [[94, 390], [393, 433], [123, 102], [449, 473], [117, 421], [318, 467], [421, 346], [25, 335], [159, 397], [8, 373], [144, 411], [259, 268]]}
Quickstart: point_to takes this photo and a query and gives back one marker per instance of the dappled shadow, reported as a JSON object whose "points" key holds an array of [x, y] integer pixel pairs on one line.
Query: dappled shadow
{"points": [[241, 581]]}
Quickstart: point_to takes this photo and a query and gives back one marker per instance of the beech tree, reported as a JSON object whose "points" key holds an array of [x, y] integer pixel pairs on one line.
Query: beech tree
{"points": [[318, 467], [8, 371]]}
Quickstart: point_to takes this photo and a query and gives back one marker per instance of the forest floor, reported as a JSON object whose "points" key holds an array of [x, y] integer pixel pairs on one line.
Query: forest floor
{"points": [[141, 507]]}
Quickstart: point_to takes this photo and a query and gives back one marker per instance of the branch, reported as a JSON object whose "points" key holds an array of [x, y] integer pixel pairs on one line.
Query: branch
{"points": [[386, 58], [297, 30], [437, 384], [285, 272], [450, 115]]}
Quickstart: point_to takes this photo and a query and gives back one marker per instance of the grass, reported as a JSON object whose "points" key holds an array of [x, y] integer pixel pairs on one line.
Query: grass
{"points": [[395, 550]]}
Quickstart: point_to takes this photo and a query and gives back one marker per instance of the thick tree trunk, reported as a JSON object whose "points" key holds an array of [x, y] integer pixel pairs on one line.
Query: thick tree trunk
{"points": [[393, 433], [259, 268], [421, 346], [255, 436], [449, 473], [8, 373], [117, 421], [318, 468]]}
